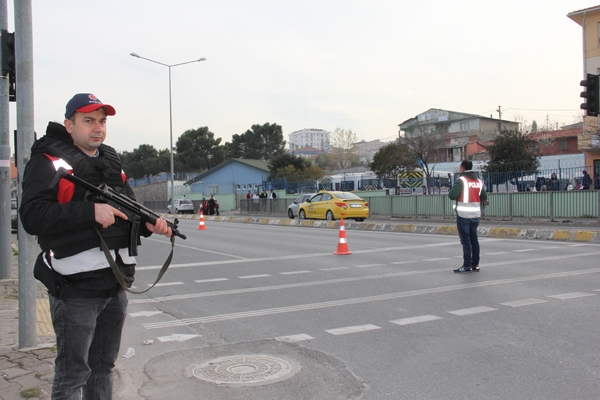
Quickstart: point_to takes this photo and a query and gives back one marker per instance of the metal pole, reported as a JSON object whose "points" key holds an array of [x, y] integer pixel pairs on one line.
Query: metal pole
{"points": [[170, 117], [171, 146], [27, 245], [5, 237]]}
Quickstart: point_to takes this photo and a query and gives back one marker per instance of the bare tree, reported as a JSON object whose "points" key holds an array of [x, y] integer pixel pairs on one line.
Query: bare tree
{"points": [[424, 144], [342, 146]]}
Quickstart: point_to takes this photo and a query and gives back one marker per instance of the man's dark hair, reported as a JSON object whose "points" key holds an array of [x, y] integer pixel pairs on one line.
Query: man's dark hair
{"points": [[467, 165]]}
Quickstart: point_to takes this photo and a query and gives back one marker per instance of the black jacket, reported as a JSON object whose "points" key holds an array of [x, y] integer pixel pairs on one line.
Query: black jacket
{"points": [[69, 228]]}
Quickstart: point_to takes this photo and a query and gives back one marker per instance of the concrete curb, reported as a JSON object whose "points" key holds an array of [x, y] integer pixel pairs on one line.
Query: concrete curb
{"points": [[502, 232]]}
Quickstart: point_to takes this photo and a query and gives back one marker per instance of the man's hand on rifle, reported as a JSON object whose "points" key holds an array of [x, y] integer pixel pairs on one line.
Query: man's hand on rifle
{"points": [[160, 228], [105, 214]]}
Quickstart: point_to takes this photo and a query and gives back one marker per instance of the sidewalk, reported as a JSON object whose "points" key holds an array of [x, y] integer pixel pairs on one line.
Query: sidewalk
{"points": [[28, 373], [25, 373]]}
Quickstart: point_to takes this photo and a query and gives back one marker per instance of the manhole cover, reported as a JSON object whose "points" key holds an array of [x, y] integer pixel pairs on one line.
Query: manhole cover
{"points": [[244, 370]]}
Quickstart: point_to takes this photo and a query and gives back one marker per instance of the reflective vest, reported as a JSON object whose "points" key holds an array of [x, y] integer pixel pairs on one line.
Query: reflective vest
{"points": [[468, 201]]}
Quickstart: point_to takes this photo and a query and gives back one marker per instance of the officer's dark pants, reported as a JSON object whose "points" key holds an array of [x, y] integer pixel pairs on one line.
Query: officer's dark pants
{"points": [[467, 232], [88, 336]]}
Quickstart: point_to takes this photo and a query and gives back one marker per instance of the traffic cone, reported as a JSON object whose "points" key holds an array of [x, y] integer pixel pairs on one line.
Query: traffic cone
{"points": [[342, 248], [201, 226]]}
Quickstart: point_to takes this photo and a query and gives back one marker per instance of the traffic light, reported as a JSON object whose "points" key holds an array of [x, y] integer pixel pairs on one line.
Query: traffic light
{"points": [[591, 94], [8, 52]]}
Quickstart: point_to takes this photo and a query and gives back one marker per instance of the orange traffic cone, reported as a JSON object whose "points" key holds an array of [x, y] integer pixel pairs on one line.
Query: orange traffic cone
{"points": [[201, 226], [342, 248]]}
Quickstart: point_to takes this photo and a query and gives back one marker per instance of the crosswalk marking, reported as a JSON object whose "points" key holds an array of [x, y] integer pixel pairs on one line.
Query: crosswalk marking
{"points": [[254, 276], [521, 303], [296, 272], [415, 320], [294, 338], [471, 311], [211, 280], [402, 262], [352, 329], [574, 295], [166, 284]]}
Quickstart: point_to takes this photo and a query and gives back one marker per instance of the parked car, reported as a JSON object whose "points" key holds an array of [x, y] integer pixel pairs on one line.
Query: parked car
{"points": [[293, 208], [334, 205], [182, 206], [14, 215]]}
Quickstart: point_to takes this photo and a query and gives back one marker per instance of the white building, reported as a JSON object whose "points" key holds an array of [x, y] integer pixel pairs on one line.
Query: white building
{"points": [[317, 138]]}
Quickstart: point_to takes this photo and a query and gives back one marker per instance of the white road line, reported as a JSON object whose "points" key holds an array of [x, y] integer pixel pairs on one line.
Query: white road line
{"points": [[402, 262], [438, 259], [471, 311], [369, 265], [144, 313], [333, 269], [362, 300], [415, 320], [295, 272], [166, 284], [496, 253], [342, 280], [352, 329], [574, 295], [254, 276], [521, 303], [294, 338], [211, 280], [294, 256], [524, 250], [199, 249]]}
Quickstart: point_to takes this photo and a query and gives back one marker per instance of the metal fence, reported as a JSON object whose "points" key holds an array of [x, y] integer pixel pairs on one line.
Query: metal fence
{"points": [[576, 204], [561, 204]]}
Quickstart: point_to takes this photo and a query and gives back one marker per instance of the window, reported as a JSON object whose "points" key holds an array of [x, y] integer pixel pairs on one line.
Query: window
{"points": [[464, 126], [213, 189], [564, 144]]}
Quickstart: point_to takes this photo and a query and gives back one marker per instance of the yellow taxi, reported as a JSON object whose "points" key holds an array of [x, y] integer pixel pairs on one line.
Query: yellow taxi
{"points": [[334, 205]]}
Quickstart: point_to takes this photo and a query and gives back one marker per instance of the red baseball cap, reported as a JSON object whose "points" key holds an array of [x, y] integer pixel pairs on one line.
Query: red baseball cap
{"points": [[86, 102]]}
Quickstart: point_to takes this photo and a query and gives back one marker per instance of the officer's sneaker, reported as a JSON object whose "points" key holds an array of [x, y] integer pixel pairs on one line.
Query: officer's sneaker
{"points": [[463, 270], [475, 268]]}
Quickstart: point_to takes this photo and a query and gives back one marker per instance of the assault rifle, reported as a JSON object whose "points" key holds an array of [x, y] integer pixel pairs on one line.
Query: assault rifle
{"points": [[135, 212]]}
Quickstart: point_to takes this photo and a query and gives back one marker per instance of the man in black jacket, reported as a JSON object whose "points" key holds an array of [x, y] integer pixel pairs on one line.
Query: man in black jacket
{"points": [[87, 304]]}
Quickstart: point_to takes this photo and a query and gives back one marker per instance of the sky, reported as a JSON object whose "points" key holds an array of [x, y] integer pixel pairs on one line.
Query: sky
{"points": [[366, 66]]}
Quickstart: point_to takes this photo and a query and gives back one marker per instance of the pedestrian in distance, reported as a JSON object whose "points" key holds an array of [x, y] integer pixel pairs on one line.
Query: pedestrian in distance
{"points": [[553, 184], [263, 199], [87, 304], [211, 205], [586, 180], [468, 192], [272, 197]]}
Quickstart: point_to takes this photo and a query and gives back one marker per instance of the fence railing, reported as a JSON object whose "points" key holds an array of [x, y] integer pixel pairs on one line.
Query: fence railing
{"points": [[553, 205], [576, 204]]}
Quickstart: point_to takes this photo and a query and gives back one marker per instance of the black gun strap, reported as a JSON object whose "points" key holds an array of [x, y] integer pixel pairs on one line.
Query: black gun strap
{"points": [[119, 274]]}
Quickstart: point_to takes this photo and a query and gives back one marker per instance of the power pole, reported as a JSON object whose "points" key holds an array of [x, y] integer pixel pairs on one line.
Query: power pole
{"points": [[28, 247], [5, 234], [499, 110]]}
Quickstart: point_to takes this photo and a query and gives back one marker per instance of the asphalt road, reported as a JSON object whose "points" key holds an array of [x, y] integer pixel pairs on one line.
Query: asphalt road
{"points": [[389, 321]]}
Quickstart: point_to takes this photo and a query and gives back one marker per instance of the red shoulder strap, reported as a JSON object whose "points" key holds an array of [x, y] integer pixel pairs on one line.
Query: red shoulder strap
{"points": [[66, 189]]}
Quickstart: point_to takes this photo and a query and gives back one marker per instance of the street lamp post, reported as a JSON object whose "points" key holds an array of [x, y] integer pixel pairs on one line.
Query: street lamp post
{"points": [[170, 118]]}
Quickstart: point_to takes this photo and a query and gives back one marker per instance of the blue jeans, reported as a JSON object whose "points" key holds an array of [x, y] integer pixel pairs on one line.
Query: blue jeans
{"points": [[88, 337], [467, 232]]}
